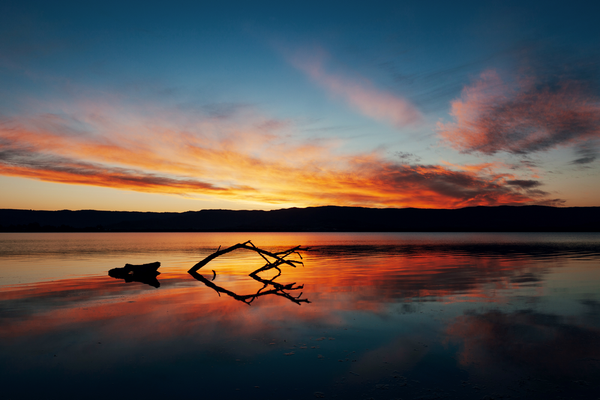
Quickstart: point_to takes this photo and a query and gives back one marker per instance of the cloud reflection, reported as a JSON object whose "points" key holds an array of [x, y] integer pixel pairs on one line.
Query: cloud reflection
{"points": [[356, 320], [527, 341]]}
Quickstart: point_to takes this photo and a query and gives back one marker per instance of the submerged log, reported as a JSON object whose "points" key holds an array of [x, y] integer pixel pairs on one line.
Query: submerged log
{"points": [[143, 273], [142, 268]]}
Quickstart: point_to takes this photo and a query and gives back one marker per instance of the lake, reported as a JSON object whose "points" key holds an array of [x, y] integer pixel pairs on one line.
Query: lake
{"points": [[368, 316]]}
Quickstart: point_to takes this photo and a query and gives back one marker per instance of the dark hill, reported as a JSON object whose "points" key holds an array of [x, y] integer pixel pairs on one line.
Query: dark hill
{"points": [[315, 219]]}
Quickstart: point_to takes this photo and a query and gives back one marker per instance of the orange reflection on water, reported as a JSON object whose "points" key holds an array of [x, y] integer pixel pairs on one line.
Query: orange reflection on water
{"points": [[179, 307], [369, 279], [379, 312]]}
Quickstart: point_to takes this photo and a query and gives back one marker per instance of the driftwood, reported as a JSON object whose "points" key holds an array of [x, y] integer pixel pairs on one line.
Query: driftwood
{"points": [[279, 256], [144, 273], [269, 285], [147, 273]]}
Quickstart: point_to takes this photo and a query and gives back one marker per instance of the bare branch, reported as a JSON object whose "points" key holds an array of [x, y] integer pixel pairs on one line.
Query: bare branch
{"points": [[276, 288], [279, 256]]}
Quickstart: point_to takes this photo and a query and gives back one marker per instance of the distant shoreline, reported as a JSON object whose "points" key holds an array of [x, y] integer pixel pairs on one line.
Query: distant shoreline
{"points": [[311, 219]]}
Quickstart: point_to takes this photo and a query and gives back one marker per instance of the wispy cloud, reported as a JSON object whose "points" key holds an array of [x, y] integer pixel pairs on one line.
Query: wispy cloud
{"points": [[524, 183], [31, 164], [586, 153], [241, 155], [359, 93], [530, 114]]}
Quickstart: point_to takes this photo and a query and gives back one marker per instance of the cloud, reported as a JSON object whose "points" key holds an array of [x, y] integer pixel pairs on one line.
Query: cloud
{"points": [[406, 157], [530, 114], [360, 94], [525, 184], [587, 153], [45, 167], [239, 155], [431, 186]]}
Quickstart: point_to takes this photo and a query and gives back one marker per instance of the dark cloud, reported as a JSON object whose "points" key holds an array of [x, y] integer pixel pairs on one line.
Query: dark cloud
{"points": [[537, 192], [551, 202], [29, 163], [525, 184], [407, 157], [587, 153], [455, 188], [525, 164]]}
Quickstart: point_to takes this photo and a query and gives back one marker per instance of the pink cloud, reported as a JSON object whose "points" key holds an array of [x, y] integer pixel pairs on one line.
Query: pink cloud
{"points": [[362, 95], [529, 115]]}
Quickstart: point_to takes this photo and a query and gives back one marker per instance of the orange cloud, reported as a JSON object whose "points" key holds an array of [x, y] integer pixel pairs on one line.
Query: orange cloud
{"points": [[361, 95], [242, 157]]}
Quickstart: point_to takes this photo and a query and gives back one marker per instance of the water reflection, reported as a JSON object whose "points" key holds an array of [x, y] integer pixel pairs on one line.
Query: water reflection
{"points": [[275, 288], [530, 352], [384, 321], [527, 341], [514, 250]]}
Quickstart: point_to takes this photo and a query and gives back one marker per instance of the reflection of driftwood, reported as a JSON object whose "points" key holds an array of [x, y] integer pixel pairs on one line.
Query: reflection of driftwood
{"points": [[280, 290], [279, 256], [276, 288], [144, 273]]}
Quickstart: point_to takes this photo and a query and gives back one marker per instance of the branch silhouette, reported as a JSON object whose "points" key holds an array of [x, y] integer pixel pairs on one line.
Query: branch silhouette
{"points": [[270, 287], [278, 289], [279, 256]]}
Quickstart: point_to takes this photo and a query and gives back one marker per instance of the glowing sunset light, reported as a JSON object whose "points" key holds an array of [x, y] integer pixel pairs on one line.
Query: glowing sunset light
{"points": [[242, 162], [274, 107]]}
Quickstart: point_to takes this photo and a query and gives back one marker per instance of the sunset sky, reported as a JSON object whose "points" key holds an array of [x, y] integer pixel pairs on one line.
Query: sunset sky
{"points": [[175, 106]]}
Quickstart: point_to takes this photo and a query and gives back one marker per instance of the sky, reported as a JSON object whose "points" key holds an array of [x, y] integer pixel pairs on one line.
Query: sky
{"points": [[176, 106]]}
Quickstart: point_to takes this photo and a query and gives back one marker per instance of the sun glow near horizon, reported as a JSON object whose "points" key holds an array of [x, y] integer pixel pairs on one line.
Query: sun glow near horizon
{"points": [[266, 117]]}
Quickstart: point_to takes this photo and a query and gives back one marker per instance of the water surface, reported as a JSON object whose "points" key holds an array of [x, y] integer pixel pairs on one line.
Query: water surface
{"points": [[382, 316]]}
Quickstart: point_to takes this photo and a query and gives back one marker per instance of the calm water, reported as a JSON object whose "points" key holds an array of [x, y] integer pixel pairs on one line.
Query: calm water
{"points": [[388, 316]]}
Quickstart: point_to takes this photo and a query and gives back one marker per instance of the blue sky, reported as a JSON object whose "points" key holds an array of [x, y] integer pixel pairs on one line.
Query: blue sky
{"points": [[260, 105]]}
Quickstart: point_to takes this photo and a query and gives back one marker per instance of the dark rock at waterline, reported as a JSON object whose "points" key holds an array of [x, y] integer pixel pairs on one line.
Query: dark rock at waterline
{"points": [[143, 273]]}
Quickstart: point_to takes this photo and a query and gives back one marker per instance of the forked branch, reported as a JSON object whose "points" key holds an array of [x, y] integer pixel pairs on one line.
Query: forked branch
{"points": [[274, 260], [279, 257]]}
